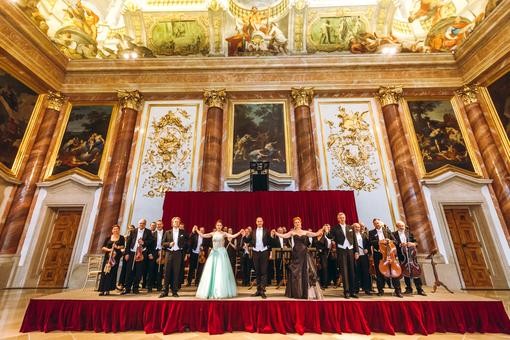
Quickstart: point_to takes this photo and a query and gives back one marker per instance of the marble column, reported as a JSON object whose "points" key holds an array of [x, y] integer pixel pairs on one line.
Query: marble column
{"points": [[410, 191], [113, 187], [211, 168], [307, 163], [25, 192], [493, 160]]}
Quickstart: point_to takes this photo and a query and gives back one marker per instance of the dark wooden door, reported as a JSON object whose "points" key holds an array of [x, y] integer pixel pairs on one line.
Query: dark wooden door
{"points": [[60, 248], [468, 248]]}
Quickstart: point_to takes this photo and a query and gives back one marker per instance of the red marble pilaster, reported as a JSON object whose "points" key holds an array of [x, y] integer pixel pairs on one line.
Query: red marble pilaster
{"points": [[113, 187], [25, 192]]}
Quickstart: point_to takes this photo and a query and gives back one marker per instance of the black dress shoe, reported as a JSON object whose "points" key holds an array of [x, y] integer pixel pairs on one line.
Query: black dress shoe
{"points": [[346, 296], [263, 295], [136, 291], [149, 290], [101, 294], [124, 292], [398, 294], [408, 291], [422, 292], [368, 293], [163, 294], [257, 293], [354, 296], [380, 293], [175, 294]]}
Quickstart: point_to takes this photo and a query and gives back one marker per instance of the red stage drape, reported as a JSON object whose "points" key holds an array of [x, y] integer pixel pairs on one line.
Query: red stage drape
{"points": [[277, 208], [217, 317]]}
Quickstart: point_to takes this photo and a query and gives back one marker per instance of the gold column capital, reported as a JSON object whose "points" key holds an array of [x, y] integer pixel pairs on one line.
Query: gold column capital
{"points": [[130, 99], [468, 93], [389, 95], [301, 96], [215, 98], [56, 100]]}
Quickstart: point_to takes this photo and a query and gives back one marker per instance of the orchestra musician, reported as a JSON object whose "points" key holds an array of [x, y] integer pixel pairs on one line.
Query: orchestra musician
{"points": [[362, 262], [323, 245], [112, 247], [280, 243], [245, 256], [122, 277], [174, 242], [347, 248], [156, 264], [148, 260], [196, 248], [232, 248], [404, 239], [138, 247], [378, 234]]}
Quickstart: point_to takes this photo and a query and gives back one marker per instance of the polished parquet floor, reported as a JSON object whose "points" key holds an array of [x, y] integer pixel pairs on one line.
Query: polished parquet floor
{"points": [[13, 303]]}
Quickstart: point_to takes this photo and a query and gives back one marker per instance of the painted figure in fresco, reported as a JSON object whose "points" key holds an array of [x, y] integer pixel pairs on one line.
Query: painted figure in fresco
{"points": [[241, 147], [76, 152], [435, 9], [449, 33], [325, 33], [278, 39]]}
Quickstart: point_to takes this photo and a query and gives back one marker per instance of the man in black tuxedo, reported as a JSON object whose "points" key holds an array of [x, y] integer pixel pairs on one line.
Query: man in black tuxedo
{"points": [[346, 248], [380, 233], [246, 261], [196, 246], [281, 243], [155, 269], [261, 247], [362, 263], [138, 238], [403, 239], [174, 242], [323, 246]]}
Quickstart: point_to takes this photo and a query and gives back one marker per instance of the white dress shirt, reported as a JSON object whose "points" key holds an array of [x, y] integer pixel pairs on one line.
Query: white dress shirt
{"points": [[402, 236], [360, 244], [281, 241], [380, 234], [259, 245], [347, 244], [139, 235], [175, 232], [159, 235], [199, 244], [328, 242]]}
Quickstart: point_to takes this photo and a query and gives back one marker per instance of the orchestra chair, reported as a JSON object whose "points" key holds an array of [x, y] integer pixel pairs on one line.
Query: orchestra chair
{"points": [[93, 270]]}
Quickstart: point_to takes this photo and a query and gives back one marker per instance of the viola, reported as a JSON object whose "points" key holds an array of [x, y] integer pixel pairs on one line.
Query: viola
{"points": [[410, 266], [388, 265]]}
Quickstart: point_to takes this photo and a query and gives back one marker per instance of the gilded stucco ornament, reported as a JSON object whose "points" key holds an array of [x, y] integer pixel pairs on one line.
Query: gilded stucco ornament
{"points": [[215, 98], [351, 145], [389, 95], [301, 96]]}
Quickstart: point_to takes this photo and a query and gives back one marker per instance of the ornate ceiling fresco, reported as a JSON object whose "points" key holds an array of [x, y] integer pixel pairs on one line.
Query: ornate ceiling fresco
{"points": [[112, 29]]}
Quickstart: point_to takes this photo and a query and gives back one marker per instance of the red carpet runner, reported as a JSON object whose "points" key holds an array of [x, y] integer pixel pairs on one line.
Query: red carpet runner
{"points": [[217, 317]]}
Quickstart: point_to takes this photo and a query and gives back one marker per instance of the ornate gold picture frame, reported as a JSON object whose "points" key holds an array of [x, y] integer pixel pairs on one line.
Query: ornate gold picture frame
{"points": [[106, 141], [418, 149], [255, 148]]}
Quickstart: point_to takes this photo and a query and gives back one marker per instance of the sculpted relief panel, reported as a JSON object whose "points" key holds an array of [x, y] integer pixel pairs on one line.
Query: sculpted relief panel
{"points": [[145, 28]]}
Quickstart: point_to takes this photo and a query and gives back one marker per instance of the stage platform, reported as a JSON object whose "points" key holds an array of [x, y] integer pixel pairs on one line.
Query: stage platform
{"points": [[84, 310]]}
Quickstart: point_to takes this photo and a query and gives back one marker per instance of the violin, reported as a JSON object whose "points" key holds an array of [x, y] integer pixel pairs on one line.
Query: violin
{"points": [[410, 265], [139, 253], [201, 256], [388, 265], [161, 257]]}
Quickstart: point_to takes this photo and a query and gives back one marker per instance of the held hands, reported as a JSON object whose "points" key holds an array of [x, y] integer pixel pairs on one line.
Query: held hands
{"points": [[195, 228], [273, 233]]}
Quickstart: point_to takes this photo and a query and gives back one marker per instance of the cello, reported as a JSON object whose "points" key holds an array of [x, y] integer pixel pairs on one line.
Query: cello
{"points": [[410, 265], [388, 265]]}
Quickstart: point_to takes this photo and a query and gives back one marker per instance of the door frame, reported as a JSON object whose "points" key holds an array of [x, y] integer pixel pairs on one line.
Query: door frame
{"points": [[42, 243], [489, 249]]}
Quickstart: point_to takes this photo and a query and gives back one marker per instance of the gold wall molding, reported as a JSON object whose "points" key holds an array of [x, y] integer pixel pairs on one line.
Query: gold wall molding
{"points": [[56, 100], [302, 96], [467, 94], [215, 98], [130, 99], [389, 95]]}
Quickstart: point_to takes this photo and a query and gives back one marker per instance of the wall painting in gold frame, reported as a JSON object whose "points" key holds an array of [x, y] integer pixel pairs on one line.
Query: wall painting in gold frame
{"points": [[20, 108], [83, 141], [258, 130], [438, 137]]}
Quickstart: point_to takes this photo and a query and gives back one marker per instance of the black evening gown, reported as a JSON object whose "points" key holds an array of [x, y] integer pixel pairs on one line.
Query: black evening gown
{"points": [[302, 272], [108, 281]]}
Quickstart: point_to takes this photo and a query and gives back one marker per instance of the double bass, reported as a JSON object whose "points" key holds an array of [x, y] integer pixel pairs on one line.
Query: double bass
{"points": [[388, 265], [410, 265]]}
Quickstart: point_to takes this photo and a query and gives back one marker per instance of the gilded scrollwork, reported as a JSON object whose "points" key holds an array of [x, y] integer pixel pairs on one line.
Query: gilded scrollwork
{"points": [[167, 153], [351, 146], [468, 93]]}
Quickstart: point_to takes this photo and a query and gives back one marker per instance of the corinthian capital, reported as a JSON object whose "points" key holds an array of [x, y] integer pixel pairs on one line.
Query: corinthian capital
{"points": [[56, 100], [215, 98], [130, 99], [301, 96], [468, 93], [389, 95]]}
